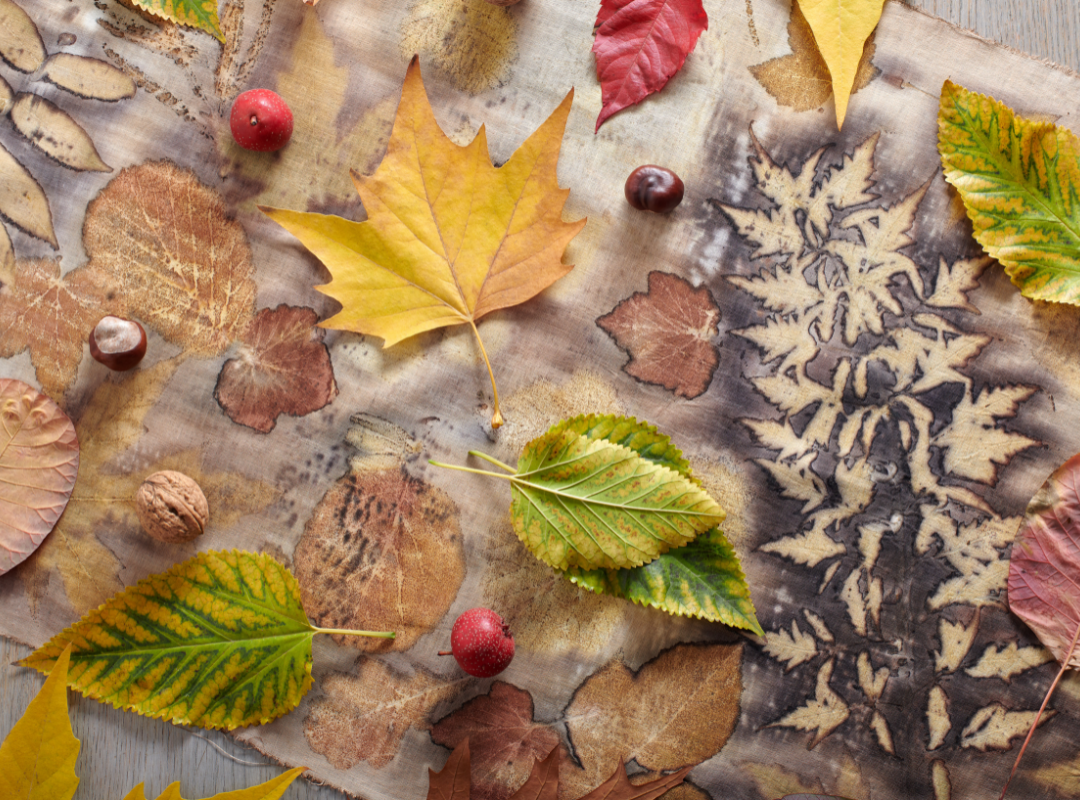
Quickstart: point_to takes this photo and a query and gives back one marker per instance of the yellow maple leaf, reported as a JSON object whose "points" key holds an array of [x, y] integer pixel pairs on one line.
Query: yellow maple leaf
{"points": [[37, 759], [271, 790], [449, 237], [841, 28]]}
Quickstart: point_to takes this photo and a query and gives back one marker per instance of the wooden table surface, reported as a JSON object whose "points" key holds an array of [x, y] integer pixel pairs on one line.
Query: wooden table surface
{"points": [[122, 749]]}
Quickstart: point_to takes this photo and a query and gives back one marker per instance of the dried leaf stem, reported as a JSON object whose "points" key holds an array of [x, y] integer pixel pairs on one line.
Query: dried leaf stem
{"points": [[1038, 715]]}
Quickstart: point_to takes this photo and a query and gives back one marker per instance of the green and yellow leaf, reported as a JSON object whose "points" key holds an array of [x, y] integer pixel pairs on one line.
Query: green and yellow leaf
{"points": [[220, 640], [1020, 183], [271, 790], [703, 579], [200, 14], [591, 503], [37, 759]]}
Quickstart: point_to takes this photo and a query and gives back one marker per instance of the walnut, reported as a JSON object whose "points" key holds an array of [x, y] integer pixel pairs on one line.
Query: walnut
{"points": [[171, 507]]}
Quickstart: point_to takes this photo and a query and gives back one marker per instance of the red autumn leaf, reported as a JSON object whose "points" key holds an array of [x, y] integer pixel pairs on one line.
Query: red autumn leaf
{"points": [[283, 368], [39, 459], [640, 45], [668, 332], [1044, 568], [452, 781]]}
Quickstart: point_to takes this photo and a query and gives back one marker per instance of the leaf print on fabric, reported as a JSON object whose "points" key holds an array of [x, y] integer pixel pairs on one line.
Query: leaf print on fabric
{"points": [[668, 332], [189, 276], [614, 715], [365, 714], [382, 550], [51, 315], [283, 368], [801, 80], [504, 740], [883, 438]]}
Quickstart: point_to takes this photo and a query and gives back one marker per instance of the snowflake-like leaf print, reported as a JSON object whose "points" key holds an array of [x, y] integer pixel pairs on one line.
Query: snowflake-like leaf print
{"points": [[882, 434]]}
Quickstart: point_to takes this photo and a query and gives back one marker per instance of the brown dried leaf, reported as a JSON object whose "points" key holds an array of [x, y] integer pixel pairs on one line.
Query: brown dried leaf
{"points": [[366, 713], [668, 332], [543, 781], [382, 551], [283, 368], [39, 459], [88, 77], [20, 42], [52, 316], [52, 131], [678, 709], [801, 80], [452, 781], [22, 200], [172, 246], [503, 738], [619, 787]]}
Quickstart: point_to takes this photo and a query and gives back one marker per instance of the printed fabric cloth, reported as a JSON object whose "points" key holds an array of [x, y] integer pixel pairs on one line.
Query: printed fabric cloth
{"points": [[870, 399]]}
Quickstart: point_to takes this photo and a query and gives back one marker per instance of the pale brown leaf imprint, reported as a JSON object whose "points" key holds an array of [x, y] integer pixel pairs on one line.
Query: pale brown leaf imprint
{"points": [[365, 714], [179, 257], [88, 77], [20, 42], [678, 709], [283, 368], [50, 129], [22, 200], [668, 332], [382, 551]]}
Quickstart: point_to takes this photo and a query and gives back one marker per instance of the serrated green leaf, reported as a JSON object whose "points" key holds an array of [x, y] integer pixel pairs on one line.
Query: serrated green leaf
{"points": [[704, 579], [641, 437], [1020, 183], [201, 14], [270, 790], [37, 758], [220, 640], [591, 503]]}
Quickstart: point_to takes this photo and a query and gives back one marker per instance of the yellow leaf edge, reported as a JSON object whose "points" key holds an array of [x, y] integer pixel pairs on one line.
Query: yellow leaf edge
{"points": [[46, 704], [269, 790]]}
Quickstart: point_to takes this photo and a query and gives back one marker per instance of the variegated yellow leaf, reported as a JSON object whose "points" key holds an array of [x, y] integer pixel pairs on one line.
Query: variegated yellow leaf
{"points": [[219, 640], [1020, 183], [201, 14]]}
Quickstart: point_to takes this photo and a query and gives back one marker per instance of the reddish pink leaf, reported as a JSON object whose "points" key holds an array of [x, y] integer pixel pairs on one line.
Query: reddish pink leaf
{"points": [[283, 368], [39, 459], [1044, 568], [640, 45]]}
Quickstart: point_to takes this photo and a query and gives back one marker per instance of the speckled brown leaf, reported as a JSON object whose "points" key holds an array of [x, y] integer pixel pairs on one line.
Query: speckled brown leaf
{"points": [[801, 80], [383, 550], [52, 130], [503, 738], [88, 77], [668, 333], [20, 42], [103, 499], [52, 315], [678, 709], [365, 714], [39, 459], [172, 246], [22, 200], [283, 368], [546, 612]]}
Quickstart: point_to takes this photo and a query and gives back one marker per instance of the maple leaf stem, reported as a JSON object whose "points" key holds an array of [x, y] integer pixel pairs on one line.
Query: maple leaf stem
{"points": [[347, 632], [496, 414], [1064, 666]]}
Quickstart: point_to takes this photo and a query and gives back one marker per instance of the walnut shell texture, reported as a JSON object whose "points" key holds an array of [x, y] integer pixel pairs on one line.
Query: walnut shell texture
{"points": [[171, 507]]}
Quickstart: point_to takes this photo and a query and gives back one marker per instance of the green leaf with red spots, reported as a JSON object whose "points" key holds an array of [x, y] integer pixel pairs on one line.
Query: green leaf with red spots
{"points": [[220, 641]]}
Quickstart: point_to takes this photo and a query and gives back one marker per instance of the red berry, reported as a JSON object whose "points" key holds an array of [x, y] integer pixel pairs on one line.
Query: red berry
{"points": [[482, 643], [260, 120]]}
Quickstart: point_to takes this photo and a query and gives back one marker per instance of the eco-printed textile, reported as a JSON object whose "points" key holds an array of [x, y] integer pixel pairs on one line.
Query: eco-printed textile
{"points": [[871, 402]]}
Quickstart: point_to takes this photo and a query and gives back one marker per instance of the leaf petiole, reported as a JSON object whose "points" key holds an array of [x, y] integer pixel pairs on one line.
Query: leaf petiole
{"points": [[346, 632], [470, 469], [493, 460], [496, 414]]}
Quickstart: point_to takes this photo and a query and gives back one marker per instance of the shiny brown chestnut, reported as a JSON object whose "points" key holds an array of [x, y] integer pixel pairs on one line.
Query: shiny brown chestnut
{"points": [[118, 343], [653, 188]]}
